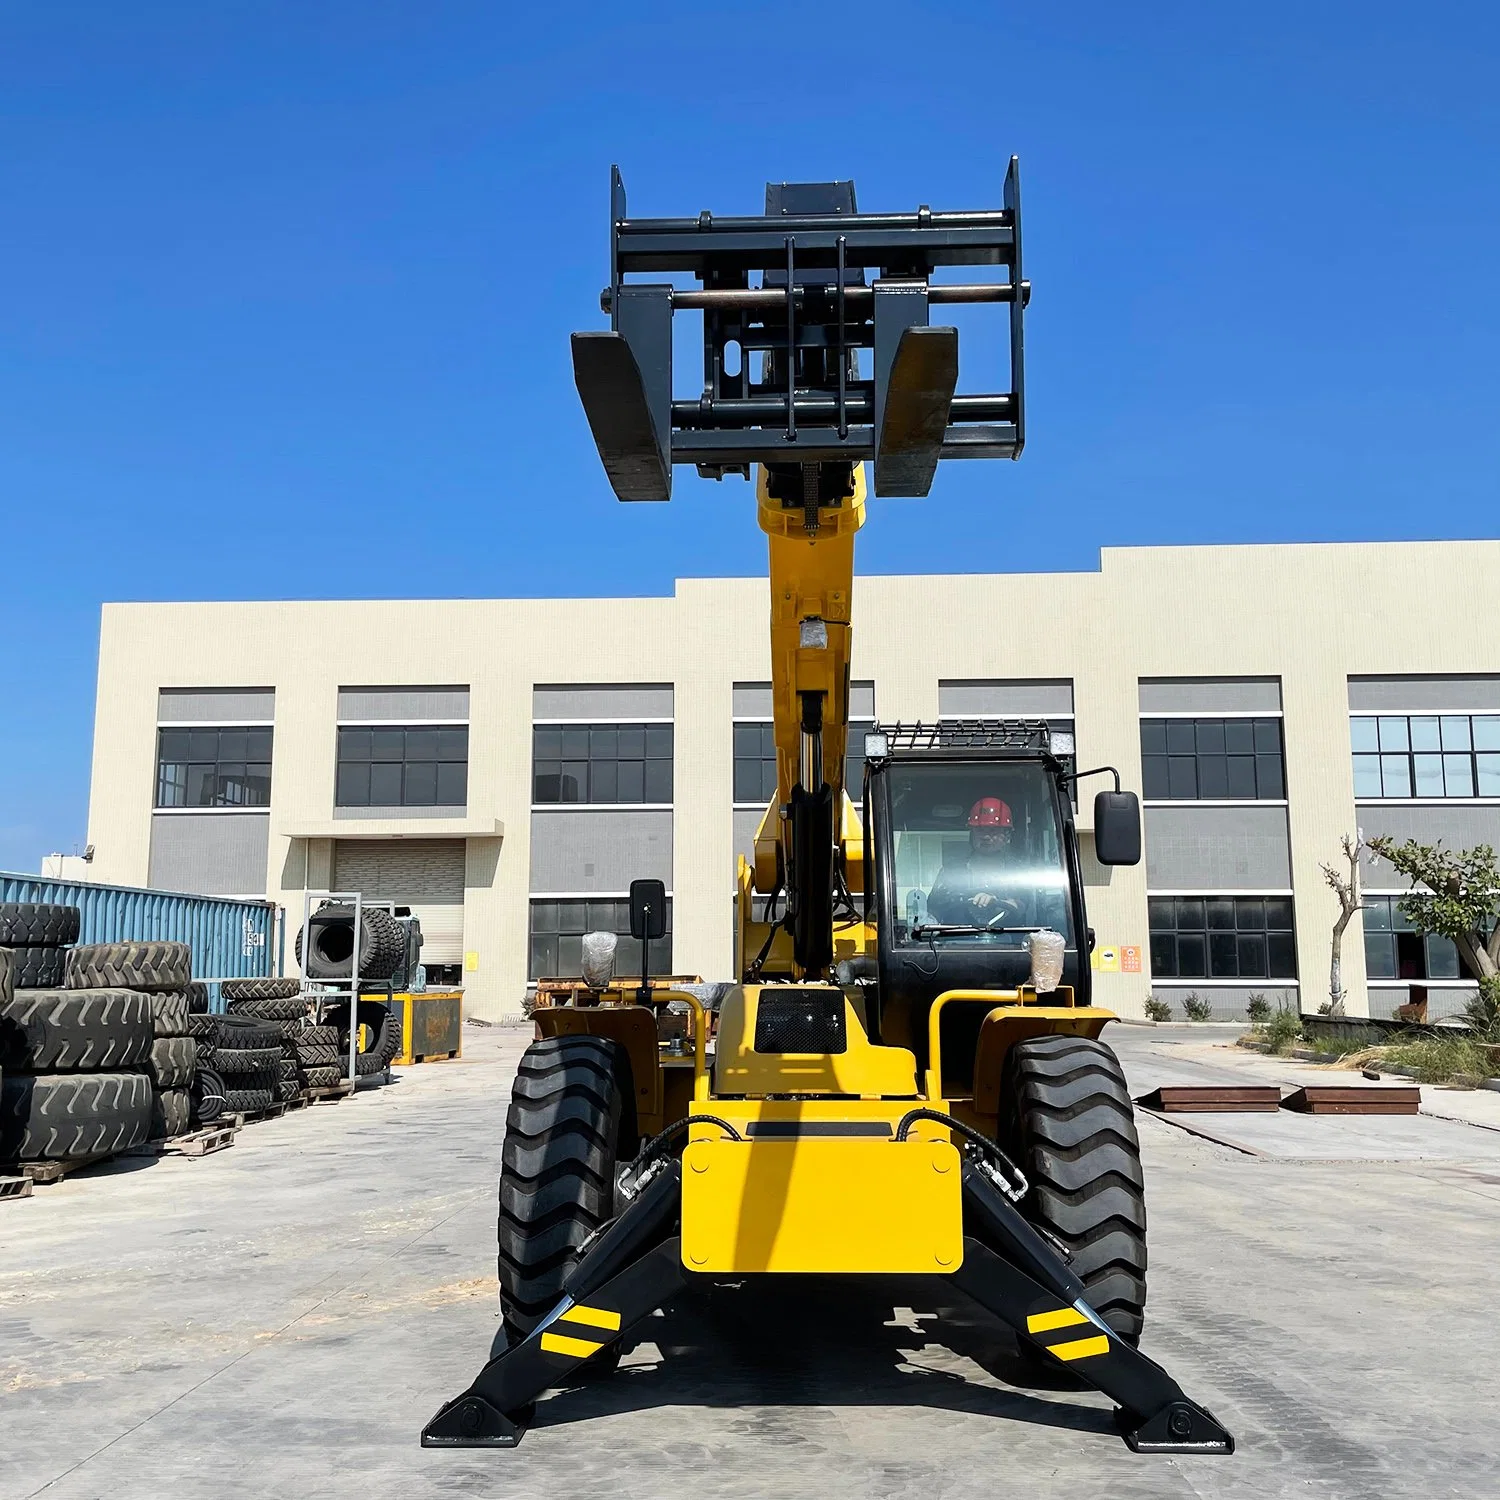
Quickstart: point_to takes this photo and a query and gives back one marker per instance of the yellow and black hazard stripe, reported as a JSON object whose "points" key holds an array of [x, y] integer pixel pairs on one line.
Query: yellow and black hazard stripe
{"points": [[1066, 1321], [561, 1337]]}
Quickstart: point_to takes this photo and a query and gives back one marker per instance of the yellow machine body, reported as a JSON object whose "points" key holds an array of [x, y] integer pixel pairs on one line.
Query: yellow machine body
{"points": [[822, 1203], [818, 1182]]}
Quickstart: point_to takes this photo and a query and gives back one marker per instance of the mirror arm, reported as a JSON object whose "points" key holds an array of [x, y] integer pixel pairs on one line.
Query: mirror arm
{"points": [[1097, 771]]}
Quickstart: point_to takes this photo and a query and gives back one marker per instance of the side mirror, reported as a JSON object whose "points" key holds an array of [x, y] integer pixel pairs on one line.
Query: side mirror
{"points": [[648, 920], [648, 909], [1117, 828]]}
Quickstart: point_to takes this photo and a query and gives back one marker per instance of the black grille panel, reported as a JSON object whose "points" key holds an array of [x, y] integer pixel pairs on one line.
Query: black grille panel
{"points": [[800, 1021]]}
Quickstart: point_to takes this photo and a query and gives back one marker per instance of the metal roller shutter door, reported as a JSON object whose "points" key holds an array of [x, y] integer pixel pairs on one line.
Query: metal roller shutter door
{"points": [[424, 874]]}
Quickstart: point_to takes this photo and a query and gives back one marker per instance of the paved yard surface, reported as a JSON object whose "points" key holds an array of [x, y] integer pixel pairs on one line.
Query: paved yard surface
{"points": [[280, 1320]]}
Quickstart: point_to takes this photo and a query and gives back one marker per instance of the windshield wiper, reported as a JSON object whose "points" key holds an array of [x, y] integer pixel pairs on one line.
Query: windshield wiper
{"points": [[949, 929]]}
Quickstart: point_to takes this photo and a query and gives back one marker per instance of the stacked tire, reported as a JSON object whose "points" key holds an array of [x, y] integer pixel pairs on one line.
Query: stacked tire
{"points": [[379, 1041], [247, 1063], [206, 1100], [319, 1063], [38, 936], [85, 1068], [279, 1003], [163, 974]]}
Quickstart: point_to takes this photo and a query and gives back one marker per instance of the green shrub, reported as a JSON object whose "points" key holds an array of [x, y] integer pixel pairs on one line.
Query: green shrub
{"points": [[1197, 1008], [1284, 1029], [1436, 1059], [1258, 1009], [1158, 1009], [1483, 1011]]}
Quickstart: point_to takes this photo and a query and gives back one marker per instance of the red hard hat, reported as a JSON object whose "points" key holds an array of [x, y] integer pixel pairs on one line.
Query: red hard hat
{"points": [[990, 812]]}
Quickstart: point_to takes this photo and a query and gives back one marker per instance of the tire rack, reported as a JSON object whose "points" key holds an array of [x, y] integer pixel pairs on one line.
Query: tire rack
{"points": [[334, 988]]}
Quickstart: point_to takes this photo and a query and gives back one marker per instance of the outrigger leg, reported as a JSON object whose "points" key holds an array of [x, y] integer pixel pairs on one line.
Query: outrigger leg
{"points": [[1030, 1287], [630, 1270], [635, 1266]]}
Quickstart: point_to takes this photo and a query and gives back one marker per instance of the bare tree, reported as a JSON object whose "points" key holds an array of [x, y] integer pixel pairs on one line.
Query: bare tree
{"points": [[1346, 888]]}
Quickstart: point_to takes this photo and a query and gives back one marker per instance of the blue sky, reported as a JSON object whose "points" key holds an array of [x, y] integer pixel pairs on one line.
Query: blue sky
{"points": [[285, 291]]}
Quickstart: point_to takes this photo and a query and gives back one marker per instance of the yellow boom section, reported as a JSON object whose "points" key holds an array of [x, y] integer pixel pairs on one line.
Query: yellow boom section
{"points": [[812, 579]]}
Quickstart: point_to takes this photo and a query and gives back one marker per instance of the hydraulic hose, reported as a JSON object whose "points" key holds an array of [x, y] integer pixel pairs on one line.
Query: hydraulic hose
{"points": [[636, 1174], [1015, 1192]]}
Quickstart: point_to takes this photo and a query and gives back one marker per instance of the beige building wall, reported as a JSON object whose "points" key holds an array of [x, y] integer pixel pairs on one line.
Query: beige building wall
{"points": [[1310, 616]]}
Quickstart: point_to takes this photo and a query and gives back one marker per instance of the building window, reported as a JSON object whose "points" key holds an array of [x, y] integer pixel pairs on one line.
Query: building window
{"points": [[403, 767], [755, 762], [1394, 949], [1222, 937], [557, 929], [1212, 760], [1426, 755], [854, 759], [217, 767], [601, 763]]}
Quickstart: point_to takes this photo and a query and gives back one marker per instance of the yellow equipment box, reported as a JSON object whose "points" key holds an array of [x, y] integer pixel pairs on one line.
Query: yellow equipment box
{"points": [[431, 1025]]}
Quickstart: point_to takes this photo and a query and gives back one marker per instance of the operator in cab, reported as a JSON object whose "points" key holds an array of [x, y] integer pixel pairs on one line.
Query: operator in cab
{"points": [[981, 887]]}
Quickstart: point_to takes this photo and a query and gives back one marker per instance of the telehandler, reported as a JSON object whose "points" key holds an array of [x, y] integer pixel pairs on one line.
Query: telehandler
{"points": [[905, 1075]]}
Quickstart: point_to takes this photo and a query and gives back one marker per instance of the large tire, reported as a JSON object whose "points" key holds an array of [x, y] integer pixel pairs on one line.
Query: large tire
{"points": [[197, 997], [172, 1062], [245, 1094], [204, 1029], [322, 1076], [261, 989], [66, 1031], [1068, 1123], [383, 1026], [130, 966], [330, 945], [32, 924], [247, 1060], [171, 1113], [279, 1009], [37, 968], [65, 1116], [170, 1013], [571, 1121], [234, 1033], [317, 1057]]}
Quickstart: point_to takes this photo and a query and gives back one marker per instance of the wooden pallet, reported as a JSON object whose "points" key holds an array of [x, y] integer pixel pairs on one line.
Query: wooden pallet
{"points": [[15, 1187], [1194, 1099], [202, 1142], [251, 1116], [41, 1173], [331, 1094]]}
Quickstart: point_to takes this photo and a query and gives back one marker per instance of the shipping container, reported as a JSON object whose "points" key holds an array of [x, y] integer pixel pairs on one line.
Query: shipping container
{"points": [[229, 939]]}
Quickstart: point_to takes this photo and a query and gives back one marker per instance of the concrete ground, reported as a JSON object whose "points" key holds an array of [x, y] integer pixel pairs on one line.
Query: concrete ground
{"points": [[281, 1319]]}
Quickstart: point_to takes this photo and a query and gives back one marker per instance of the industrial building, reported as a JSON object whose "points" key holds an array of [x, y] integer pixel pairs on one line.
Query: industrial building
{"points": [[507, 766]]}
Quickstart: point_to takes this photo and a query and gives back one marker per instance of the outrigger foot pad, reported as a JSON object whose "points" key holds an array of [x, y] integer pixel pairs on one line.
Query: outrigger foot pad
{"points": [[471, 1422], [1181, 1427], [625, 1274]]}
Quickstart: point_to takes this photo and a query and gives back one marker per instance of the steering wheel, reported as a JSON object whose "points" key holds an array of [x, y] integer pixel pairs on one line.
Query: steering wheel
{"points": [[1008, 908]]}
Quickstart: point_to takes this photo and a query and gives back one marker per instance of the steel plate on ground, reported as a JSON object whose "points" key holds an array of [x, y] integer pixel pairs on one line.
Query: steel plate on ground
{"points": [[1194, 1099], [1353, 1099]]}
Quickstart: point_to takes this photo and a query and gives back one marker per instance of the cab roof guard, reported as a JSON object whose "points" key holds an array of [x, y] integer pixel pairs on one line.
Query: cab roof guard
{"points": [[1031, 736], [790, 286]]}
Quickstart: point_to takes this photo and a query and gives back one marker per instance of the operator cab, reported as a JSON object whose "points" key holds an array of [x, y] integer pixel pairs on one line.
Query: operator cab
{"points": [[974, 849]]}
